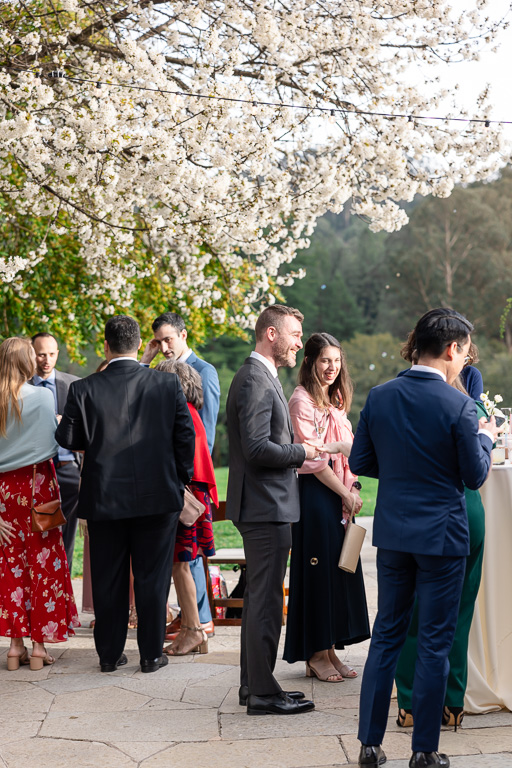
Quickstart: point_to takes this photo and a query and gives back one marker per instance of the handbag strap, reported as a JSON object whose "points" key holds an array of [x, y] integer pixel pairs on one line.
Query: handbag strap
{"points": [[33, 486]]}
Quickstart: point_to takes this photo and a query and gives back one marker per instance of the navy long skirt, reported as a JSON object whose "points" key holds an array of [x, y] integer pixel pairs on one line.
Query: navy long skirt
{"points": [[326, 606]]}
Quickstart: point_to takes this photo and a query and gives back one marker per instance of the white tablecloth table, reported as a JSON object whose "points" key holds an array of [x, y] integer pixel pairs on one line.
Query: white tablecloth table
{"points": [[490, 640]]}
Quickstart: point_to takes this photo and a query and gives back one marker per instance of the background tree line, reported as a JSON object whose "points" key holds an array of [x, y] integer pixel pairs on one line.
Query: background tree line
{"points": [[369, 289]]}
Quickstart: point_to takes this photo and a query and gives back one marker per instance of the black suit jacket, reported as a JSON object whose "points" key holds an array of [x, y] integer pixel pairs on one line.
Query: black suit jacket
{"points": [[263, 484], [136, 430]]}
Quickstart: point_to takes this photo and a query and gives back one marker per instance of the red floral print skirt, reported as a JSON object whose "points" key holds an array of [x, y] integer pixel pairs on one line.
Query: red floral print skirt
{"points": [[36, 596]]}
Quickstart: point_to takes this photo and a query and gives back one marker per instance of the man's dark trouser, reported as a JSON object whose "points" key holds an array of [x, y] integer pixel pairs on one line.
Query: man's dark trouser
{"points": [[437, 581], [69, 481], [266, 546], [149, 541]]}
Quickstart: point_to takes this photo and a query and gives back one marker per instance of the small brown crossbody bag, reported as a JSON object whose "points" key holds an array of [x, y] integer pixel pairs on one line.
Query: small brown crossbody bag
{"points": [[48, 515]]}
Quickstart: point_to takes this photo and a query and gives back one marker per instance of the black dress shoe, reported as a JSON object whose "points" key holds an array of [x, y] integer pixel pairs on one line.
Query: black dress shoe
{"points": [[122, 660], [369, 755], [278, 704], [423, 759], [243, 693], [153, 665]]}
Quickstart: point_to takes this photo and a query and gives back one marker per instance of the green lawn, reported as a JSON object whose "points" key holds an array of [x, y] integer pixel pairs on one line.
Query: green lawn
{"points": [[226, 535]]}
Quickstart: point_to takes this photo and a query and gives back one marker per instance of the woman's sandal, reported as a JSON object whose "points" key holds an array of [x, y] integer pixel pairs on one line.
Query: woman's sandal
{"points": [[14, 662], [343, 669], [312, 672], [404, 719], [347, 671], [200, 648], [453, 716], [38, 662]]}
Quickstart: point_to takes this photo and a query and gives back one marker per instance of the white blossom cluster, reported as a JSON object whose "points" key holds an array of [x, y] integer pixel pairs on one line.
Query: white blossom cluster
{"points": [[218, 189]]}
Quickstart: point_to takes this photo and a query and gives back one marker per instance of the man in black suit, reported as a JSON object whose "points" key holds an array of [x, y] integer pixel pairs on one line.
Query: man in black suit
{"points": [[262, 500], [134, 471], [67, 463]]}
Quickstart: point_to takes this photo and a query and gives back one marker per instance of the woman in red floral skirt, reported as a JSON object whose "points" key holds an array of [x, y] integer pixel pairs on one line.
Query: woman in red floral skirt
{"points": [[36, 596]]}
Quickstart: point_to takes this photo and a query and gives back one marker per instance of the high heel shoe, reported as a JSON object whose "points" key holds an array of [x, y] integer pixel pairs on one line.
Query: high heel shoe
{"points": [[38, 662], [312, 672], [404, 719], [202, 647], [14, 662], [453, 716]]}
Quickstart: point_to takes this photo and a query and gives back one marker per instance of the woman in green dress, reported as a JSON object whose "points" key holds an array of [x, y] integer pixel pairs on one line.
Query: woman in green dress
{"points": [[457, 679]]}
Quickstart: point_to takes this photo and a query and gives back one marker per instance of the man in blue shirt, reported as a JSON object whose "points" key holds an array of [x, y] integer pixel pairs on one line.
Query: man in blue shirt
{"points": [[170, 338], [66, 462]]}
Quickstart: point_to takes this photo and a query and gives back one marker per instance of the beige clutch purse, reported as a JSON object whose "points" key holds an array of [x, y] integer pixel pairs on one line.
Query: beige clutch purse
{"points": [[352, 545]]}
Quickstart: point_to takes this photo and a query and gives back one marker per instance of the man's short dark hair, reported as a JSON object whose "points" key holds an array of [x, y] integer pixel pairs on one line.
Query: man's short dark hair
{"points": [[43, 335], [273, 317], [122, 334], [169, 318], [438, 328]]}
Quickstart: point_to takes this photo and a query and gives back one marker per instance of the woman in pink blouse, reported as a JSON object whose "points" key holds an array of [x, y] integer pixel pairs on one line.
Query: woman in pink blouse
{"points": [[327, 606]]}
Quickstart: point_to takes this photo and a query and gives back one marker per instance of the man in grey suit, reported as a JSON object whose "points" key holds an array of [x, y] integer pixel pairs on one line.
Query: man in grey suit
{"points": [[66, 462], [262, 501]]}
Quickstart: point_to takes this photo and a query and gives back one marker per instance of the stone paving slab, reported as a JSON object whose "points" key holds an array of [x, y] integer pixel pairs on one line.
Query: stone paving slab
{"points": [[47, 753], [282, 752], [102, 699], [141, 725]]}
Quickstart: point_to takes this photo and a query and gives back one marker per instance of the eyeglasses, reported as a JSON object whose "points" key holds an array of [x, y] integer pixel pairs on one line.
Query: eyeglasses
{"points": [[468, 360]]}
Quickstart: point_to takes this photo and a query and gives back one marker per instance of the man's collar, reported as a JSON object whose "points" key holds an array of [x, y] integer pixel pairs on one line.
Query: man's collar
{"points": [[116, 359], [267, 363], [185, 356], [38, 379], [429, 369]]}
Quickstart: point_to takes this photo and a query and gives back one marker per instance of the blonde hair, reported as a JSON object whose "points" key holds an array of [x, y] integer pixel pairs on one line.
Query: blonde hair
{"points": [[17, 365]]}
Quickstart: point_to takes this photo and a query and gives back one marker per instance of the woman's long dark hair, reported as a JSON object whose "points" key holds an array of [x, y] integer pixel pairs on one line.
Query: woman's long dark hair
{"points": [[340, 391]]}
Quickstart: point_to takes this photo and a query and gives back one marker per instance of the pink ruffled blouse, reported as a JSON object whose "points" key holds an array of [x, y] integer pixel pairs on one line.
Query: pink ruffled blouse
{"points": [[308, 421]]}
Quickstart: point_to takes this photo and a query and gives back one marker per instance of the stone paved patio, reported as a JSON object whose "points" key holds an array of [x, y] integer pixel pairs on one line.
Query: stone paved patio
{"points": [[187, 714]]}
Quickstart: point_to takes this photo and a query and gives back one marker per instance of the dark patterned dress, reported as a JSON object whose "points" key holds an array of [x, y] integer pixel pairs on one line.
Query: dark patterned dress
{"points": [[36, 596], [199, 535]]}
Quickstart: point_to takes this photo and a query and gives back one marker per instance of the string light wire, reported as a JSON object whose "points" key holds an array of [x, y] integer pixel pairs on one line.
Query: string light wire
{"points": [[61, 75]]}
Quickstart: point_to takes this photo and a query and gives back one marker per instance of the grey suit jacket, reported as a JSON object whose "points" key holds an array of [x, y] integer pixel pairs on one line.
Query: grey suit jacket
{"points": [[62, 384], [263, 483]]}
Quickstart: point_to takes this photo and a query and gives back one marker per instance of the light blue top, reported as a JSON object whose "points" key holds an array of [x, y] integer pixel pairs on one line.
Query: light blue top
{"points": [[33, 439]]}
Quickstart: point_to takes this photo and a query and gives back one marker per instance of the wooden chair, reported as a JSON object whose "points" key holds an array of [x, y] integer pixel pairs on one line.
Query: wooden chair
{"points": [[223, 557], [228, 557]]}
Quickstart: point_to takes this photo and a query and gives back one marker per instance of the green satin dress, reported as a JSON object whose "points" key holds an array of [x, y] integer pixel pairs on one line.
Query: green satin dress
{"points": [[458, 658]]}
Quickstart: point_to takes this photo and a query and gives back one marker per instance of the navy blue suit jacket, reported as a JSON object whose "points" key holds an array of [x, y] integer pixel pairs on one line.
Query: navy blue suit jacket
{"points": [[419, 437]]}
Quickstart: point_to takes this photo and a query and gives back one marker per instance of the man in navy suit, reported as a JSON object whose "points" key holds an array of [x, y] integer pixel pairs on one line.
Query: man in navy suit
{"points": [[421, 438], [170, 338]]}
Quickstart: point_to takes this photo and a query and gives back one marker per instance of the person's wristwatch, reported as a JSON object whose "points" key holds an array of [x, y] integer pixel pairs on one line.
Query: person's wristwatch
{"points": [[357, 485]]}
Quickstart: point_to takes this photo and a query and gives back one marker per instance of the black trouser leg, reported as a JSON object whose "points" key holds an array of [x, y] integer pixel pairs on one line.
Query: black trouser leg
{"points": [[266, 548], [110, 576], [69, 481], [152, 542]]}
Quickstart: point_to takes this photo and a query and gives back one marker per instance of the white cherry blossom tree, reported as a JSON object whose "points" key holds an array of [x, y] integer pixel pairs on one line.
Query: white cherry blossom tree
{"points": [[154, 151]]}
